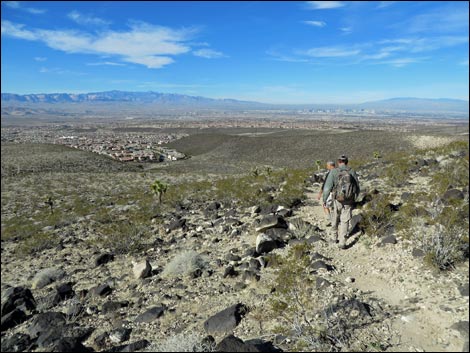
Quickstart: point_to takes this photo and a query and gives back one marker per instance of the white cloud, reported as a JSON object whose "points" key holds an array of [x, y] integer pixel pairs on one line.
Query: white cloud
{"points": [[109, 63], [142, 44], [18, 6], [384, 4], [330, 52], [420, 44], [464, 63], [321, 5], [40, 58], [151, 61], [401, 62], [315, 23], [346, 30], [208, 54], [87, 20], [449, 18]]}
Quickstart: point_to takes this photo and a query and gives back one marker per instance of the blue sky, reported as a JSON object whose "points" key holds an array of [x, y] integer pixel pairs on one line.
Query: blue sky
{"points": [[277, 52]]}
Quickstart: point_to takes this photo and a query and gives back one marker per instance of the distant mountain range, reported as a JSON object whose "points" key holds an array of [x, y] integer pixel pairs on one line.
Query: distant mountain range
{"points": [[119, 96], [184, 101]]}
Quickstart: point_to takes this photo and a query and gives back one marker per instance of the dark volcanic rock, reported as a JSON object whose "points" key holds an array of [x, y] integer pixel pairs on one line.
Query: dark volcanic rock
{"points": [[42, 322], [235, 344], [135, 346], [103, 259], [417, 252], [320, 264], [19, 342], [453, 194], [230, 272], [12, 319], [100, 291], [113, 306], [69, 344], [321, 283], [389, 239], [179, 223], [63, 292], [151, 314], [18, 297], [464, 290], [462, 327], [265, 244], [270, 221], [226, 320]]}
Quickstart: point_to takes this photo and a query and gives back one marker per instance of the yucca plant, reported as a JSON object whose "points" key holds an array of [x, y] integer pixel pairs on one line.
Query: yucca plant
{"points": [[159, 189]]}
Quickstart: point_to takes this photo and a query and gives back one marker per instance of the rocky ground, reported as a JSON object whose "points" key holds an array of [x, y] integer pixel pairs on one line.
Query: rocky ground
{"points": [[208, 271]]}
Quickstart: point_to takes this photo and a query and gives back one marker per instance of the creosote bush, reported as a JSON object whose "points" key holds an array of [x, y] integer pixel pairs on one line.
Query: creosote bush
{"points": [[185, 264]]}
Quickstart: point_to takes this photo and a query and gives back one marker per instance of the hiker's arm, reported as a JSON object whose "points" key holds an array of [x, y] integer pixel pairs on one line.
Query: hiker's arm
{"points": [[357, 183], [328, 186]]}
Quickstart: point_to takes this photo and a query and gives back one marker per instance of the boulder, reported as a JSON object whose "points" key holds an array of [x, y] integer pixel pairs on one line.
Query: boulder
{"points": [[46, 277], [63, 292], [133, 347], [120, 335], [112, 306], [17, 297], [389, 239], [103, 259], [265, 244], [453, 194], [270, 221], [12, 319], [69, 344], [101, 290], [151, 314], [179, 223], [235, 344], [19, 342], [225, 320], [141, 269], [464, 290], [44, 321]]}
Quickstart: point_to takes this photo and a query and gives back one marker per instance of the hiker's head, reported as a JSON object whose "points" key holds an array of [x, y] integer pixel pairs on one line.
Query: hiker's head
{"points": [[342, 160], [330, 165]]}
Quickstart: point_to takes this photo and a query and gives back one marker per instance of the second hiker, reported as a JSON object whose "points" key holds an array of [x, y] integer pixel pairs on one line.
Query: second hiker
{"points": [[343, 183]]}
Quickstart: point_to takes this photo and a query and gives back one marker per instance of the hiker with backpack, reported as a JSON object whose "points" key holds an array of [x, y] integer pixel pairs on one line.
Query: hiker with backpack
{"points": [[328, 205], [343, 183]]}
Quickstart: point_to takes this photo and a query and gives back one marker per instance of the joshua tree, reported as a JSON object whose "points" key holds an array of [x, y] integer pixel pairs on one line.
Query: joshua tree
{"points": [[158, 189], [255, 172], [318, 163], [50, 203], [269, 170]]}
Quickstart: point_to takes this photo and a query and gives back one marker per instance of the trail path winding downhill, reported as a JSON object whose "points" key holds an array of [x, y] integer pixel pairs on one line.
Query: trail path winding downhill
{"points": [[426, 304]]}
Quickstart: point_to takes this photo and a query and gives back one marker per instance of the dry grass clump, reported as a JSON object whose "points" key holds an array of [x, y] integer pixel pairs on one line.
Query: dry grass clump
{"points": [[185, 264]]}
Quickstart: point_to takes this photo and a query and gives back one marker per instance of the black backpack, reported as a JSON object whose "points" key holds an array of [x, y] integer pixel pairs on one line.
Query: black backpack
{"points": [[346, 186]]}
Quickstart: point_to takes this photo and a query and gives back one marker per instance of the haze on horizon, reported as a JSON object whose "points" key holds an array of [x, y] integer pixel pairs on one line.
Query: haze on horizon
{"points": [[274, 52]]}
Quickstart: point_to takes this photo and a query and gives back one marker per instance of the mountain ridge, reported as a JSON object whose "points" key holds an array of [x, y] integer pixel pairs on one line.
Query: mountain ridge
{"points": [[411, 104]]}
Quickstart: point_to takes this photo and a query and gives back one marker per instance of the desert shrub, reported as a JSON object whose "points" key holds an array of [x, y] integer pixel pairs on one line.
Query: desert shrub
{"points": [[455, 176], [184, 264], [123, 237], [397, 171], [442, 245], [37, 243], [301, 229], [183, 342], [294, 305], [377, 215]]}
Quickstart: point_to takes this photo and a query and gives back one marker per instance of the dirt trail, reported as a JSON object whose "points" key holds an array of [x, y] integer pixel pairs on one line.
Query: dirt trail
{"points": [[425, 304]]}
